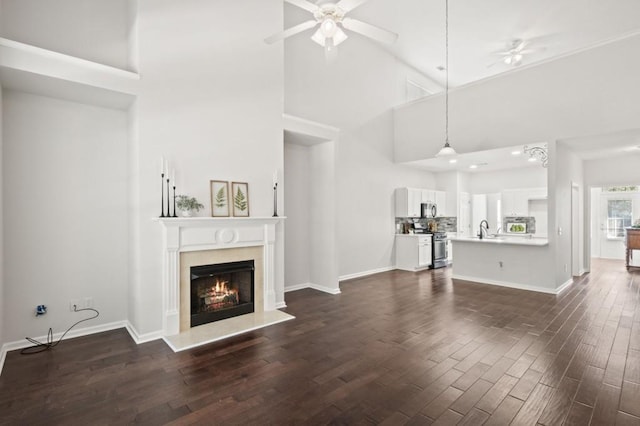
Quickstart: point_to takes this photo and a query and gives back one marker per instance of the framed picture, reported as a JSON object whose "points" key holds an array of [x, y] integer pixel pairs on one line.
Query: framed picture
{"points": [[240, 198], [219, 198]]}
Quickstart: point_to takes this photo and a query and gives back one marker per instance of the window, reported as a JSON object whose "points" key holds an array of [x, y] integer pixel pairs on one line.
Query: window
{"points": [[619, 214]]}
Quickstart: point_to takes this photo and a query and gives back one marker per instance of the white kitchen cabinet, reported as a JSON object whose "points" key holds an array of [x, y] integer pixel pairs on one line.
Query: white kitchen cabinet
{"points": [[408, 202], [515, 202], [413, 252], [537, 194], [428, 196], [450, 247], [441, 202]]}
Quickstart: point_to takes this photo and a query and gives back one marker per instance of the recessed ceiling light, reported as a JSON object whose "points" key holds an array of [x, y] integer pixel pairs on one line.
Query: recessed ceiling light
{"points": [[473, 166], [453, 161], [516, 152]]}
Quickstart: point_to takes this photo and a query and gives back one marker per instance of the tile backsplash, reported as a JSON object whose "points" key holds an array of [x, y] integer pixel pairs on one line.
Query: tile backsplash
{"points": [[529, 221], [444, 224]]}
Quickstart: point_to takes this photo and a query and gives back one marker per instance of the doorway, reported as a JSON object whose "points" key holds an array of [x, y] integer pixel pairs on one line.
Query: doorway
{"points": [[612, 210], [309, 202]]}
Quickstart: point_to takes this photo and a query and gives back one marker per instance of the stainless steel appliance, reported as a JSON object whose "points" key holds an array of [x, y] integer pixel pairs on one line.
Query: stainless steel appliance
{"points": [[439, 250], [428, 210]]}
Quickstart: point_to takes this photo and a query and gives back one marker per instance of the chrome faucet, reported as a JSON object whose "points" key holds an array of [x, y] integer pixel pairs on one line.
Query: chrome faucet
{"points": [[485, 228]]}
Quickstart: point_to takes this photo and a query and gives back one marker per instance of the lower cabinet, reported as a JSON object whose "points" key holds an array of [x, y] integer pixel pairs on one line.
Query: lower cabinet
{"points": [[413, 252], [450, 248]]}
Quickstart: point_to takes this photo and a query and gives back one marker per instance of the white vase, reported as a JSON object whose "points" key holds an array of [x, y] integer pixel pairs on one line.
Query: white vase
{"points": [[186, 213]]}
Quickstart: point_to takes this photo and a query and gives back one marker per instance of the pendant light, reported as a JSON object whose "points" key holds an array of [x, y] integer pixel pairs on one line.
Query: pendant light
{"points": [[446, 150]]}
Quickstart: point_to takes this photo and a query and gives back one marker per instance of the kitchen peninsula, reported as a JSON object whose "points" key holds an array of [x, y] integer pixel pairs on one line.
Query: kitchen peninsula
{"points": [[504, 260]]}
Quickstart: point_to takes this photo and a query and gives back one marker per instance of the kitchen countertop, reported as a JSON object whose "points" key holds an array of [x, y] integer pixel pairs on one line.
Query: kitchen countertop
{"points": [[507, 240], [413, 235]]}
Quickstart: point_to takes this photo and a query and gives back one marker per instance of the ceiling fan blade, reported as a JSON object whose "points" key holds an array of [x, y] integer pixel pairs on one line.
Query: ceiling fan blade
{"points": [[304, 4], [348, 5], [371, 31], [290, 31], [518, 45]]}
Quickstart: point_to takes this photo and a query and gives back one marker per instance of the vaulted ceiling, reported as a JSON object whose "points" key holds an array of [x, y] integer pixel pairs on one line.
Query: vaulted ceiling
{"points": [[480, 29]]}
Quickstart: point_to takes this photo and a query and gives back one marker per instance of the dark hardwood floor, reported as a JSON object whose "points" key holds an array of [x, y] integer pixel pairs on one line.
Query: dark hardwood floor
{"points": [[394, 348]]}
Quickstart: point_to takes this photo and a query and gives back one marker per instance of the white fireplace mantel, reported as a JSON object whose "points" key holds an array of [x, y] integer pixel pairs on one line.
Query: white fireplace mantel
{"points": [[208, 233]]}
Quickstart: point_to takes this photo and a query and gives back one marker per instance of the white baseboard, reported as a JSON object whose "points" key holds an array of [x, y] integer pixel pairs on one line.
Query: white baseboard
{"points": [[3, 356], [20, 344], [366, 273], [297, 287], [564, 286], [281, 305], [313, 286], [513, 285], [142, 338]]}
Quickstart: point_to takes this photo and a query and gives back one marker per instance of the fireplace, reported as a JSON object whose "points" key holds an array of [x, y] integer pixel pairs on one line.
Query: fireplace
{"points": [[222, 290]]}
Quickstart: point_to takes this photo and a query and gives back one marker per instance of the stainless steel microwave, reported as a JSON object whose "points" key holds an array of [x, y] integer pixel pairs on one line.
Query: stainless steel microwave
{"points": [[428, 210]]}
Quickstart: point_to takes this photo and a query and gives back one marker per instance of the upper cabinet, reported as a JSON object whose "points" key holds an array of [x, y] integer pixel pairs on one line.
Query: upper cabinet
{"points": [[441, 202], [408, 201], [515, 202]]}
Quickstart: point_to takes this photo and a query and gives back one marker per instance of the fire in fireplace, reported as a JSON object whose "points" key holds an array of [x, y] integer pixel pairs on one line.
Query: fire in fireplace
{"points": [[221, 291]]}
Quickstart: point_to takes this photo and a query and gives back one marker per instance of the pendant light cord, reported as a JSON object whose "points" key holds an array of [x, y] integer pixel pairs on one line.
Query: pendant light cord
{"points": [[446, 93]]}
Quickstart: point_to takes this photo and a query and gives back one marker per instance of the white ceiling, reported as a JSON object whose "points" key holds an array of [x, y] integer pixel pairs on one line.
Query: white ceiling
{"points": [[479, 29], [480, 161]]}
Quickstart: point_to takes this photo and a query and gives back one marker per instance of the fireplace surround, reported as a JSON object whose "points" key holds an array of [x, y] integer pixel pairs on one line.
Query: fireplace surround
{"points": [[198, 241]]}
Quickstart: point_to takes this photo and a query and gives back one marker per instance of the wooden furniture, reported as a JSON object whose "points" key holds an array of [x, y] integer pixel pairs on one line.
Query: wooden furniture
{"points": [[632, 242]]}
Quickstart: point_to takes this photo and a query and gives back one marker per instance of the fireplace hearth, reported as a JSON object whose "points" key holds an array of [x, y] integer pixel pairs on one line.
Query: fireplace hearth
{"points": [[220, 291]]}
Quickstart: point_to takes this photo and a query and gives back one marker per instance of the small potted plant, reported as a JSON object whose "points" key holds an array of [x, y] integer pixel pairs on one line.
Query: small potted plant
{"points": [[188, 204]]}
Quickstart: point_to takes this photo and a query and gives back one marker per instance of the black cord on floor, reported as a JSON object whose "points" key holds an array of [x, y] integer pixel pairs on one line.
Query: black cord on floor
{"points": [[41, 347]]}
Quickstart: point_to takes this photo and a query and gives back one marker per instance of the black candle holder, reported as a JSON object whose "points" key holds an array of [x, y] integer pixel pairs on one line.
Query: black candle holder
{"points": [[168, 202], [162, 195], [275, 199], [174, 202]]}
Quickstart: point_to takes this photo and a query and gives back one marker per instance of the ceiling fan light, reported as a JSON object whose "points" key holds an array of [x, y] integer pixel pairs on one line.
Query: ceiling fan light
{"points": [[328, 27], [318, 37], [339, 37]]}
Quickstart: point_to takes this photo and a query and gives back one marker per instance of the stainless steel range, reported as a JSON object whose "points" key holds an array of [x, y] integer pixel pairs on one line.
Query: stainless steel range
{"points": [[439, 250]]}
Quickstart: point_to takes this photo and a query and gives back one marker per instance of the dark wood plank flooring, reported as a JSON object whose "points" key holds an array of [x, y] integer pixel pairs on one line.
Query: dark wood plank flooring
{"points": [[394, 348]]}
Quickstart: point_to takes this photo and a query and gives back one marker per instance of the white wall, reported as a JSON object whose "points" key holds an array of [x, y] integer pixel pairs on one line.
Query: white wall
{"points": [[565, 170], [496, 181], [213, 107], [322, 219], [355, 94], [65, 212], [2, 297], [297, 196], [612, 171], [532, 104], [97, 30]]}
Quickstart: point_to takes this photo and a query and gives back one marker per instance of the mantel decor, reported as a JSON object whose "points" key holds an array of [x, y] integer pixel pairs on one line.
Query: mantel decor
{"points": [[219, 198], [240, 194], [164, 173]]}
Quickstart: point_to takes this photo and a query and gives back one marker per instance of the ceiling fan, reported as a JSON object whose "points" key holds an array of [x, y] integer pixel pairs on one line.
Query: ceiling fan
{"points": [[330, 19], [515, 52]]}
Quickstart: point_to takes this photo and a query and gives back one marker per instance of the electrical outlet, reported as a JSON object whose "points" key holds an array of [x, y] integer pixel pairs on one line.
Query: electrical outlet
{"points": [[88, 302], [566, 268], [74, 302]]}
